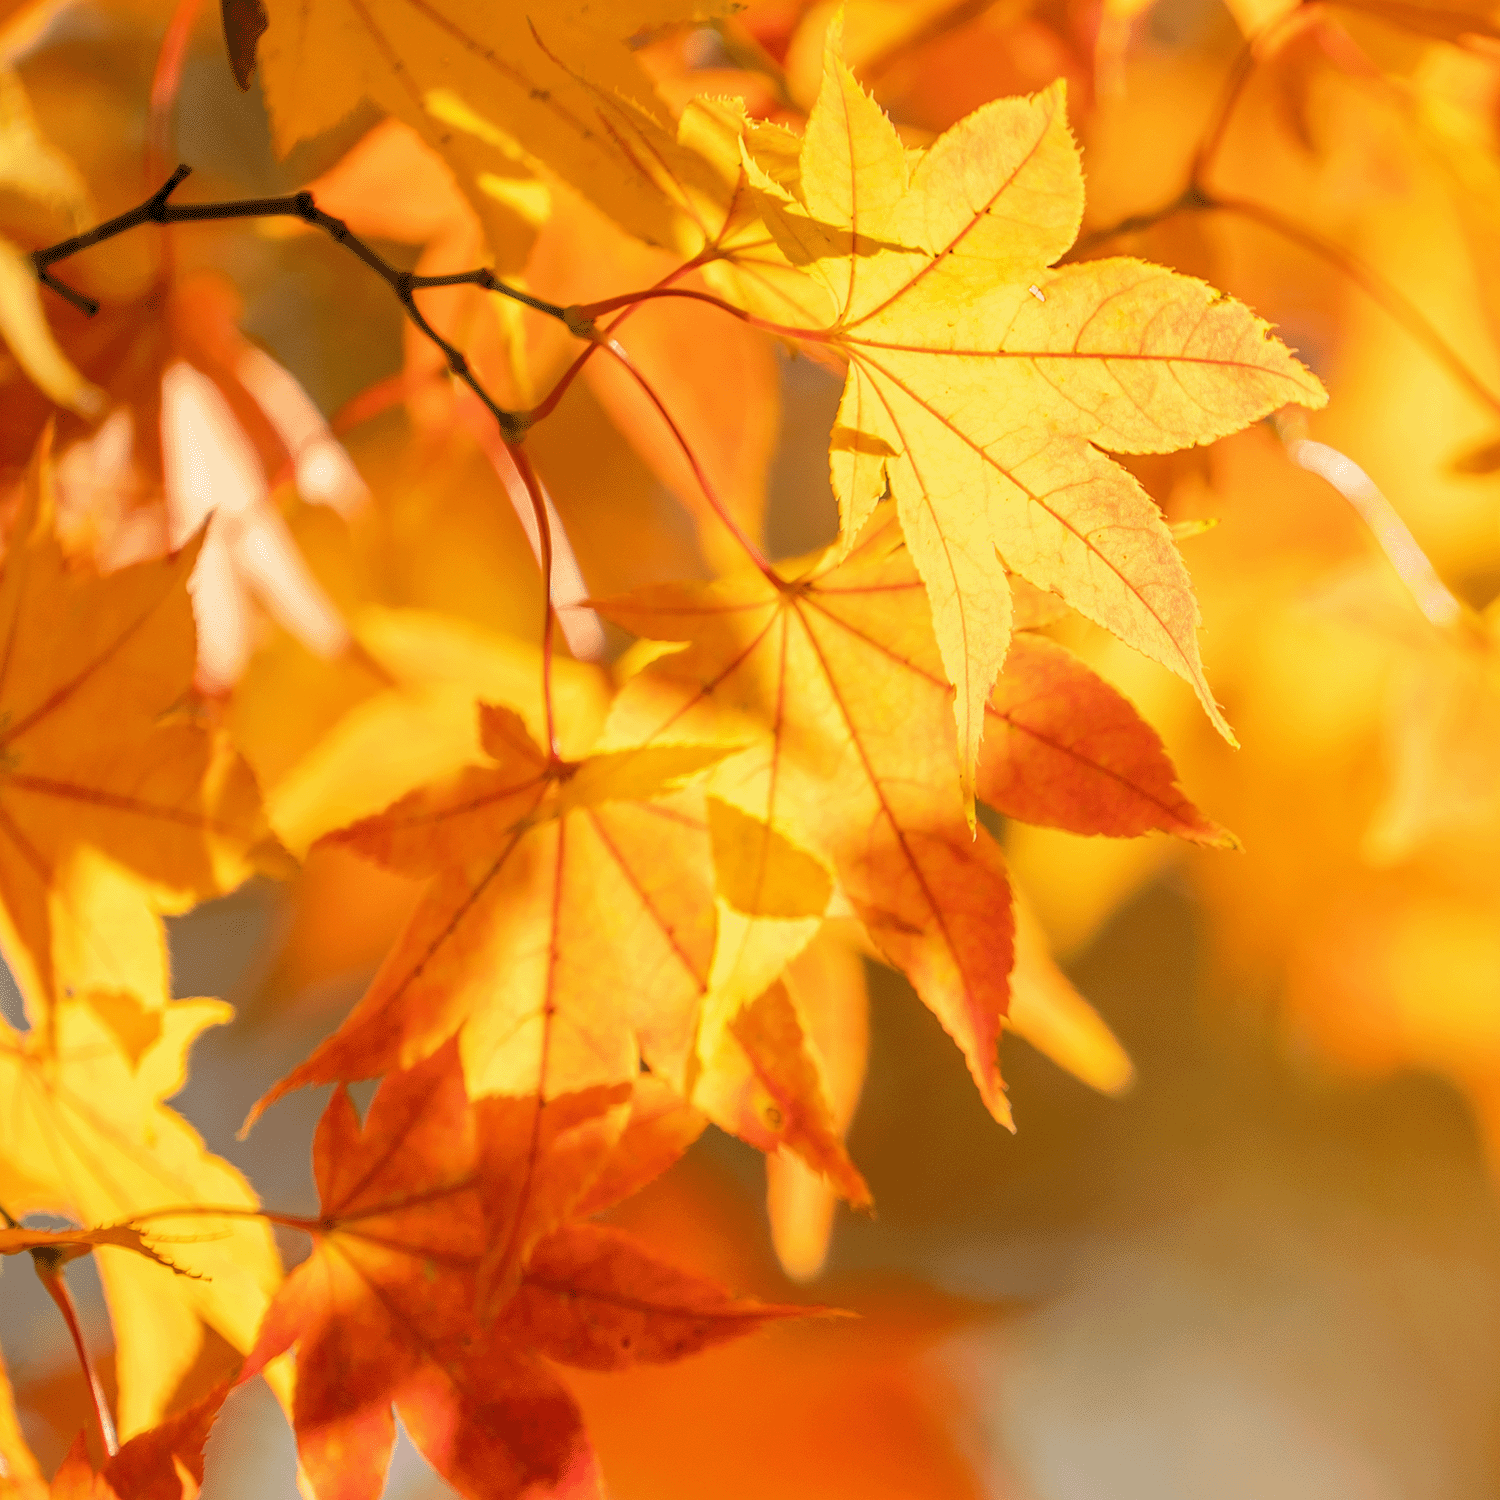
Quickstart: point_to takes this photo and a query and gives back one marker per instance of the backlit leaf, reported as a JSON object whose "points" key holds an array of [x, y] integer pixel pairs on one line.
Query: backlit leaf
{"points": [[383, 1313], [855, 759], [87, 1135], [983, 382], [426, 63], [99, 833], [549, 873]]}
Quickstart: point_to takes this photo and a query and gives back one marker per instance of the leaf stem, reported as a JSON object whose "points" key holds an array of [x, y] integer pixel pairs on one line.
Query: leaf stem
{"points": [[582, 323], [49, 1270], [157, 209], [718, 507], [593, 310]]}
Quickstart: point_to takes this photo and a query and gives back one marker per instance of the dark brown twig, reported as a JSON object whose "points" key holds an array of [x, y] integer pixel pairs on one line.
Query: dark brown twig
{"points": [[158, 210]]}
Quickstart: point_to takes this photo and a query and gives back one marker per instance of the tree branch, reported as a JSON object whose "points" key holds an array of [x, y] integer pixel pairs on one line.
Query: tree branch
{"points": [[158, 210]]}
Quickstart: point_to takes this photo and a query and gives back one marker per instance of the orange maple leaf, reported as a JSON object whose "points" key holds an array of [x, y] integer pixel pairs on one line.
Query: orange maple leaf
{"points": [[856, 758], [552, 874], [384, 1311], [164, 1463], [768, 1079]]}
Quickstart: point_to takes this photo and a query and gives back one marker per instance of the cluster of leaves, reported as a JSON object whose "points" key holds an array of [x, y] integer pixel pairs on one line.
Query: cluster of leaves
{"points": [[647, 886]]}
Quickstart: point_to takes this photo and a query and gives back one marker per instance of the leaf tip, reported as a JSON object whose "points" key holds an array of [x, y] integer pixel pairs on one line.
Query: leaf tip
{"points": [[1222, 838]]}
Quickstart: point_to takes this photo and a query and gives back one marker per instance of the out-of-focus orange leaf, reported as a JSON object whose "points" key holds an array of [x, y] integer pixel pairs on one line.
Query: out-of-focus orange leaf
{"points": [[383, 1313], [858, 1406], [930, 62], [202, 426], [345, 913], [100, 833], [42, 196], [164, 1463], [1049, 1013]]}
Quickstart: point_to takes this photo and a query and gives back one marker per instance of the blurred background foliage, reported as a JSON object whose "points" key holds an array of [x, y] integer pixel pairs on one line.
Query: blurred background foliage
{"points": [[1271, 1269]]}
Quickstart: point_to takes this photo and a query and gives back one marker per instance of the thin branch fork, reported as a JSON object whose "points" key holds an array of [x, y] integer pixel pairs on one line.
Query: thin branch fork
{"points": [[158, 209]]}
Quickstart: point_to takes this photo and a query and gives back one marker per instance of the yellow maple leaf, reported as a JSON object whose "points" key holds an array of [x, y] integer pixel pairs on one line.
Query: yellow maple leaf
{"points": [[489, 72], [114, 805], [984, 381], [87, 1135]]}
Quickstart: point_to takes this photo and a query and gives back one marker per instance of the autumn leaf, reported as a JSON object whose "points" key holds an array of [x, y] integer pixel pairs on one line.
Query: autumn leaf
{"points": [[1442, 711], [765, 1077], [165, 1463], [87, 1136], [383, 1312], [591, 1297], [411, 721], [828, 979], [844, 765], [203, 425], [1067, 750], [1049, 1013], [983, 382], [551, 873], [856, 760], [244, 25], [101, 833], [437, 65]]}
